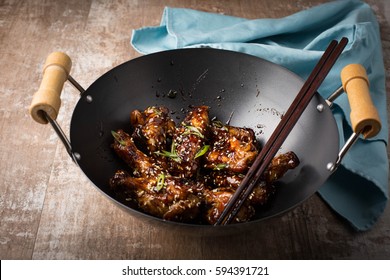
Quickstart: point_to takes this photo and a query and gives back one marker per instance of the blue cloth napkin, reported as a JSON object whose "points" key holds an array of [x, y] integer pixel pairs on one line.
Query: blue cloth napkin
{"points": [[358, 190]]}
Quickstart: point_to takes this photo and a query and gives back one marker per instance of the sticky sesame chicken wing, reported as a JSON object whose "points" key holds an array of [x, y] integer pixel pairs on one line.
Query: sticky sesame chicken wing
{"points": [[167, 197], [188, 143], [153, 126], [227, 183], [280, 165], [125, 148], [277, 168], [233, 149], [216, 201]]}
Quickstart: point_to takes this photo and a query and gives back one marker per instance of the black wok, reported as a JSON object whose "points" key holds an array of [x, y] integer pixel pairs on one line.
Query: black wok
{"points": [[243, 89]]}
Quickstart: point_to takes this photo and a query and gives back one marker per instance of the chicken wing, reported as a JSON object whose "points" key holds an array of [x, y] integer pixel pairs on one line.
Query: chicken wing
{"points": [[152, 126], [216, 201], [188, 143], [141, 164], [167, 197], [227, 183], [233, 149]]}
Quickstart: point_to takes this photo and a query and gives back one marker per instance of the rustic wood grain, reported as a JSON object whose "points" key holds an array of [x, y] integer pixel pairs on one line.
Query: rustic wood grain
{"points": [[49, 209]]}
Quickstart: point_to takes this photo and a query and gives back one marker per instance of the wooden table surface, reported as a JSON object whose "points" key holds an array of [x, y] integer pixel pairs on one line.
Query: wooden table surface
{"points": [[49, 210]]}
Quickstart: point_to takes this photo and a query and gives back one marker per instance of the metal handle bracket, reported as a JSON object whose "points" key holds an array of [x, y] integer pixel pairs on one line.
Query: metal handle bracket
{"points": [[364, 116]]}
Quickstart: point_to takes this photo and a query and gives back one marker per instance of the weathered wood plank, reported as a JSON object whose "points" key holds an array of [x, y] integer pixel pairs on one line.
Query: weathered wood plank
{"points": [[49, 210]]}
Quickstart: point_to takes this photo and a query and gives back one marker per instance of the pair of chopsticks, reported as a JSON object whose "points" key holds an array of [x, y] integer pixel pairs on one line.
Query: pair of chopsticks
{"points": [[281, 132]]}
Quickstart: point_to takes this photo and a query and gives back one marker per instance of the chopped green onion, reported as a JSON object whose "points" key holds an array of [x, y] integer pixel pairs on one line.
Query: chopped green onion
{"points": [[220, 166], [219, 124], [172, 154], [202, 151], [118, 138], [173, 148], [160, 182], [189, 129], [156, 111]]}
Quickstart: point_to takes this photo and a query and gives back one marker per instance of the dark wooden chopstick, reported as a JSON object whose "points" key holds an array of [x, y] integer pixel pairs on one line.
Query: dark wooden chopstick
{"points": [[281, 132]]}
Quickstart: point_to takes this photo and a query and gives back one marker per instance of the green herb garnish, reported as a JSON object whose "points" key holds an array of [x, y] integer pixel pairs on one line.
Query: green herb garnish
{"points": [[202, 151], [160, 182], [156, 111], [189, 129], [219, 124], [172, 154], [220, 166], [118, 138]]}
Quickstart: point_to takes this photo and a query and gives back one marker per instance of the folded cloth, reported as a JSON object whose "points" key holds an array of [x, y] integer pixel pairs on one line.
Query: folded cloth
{"points": [[358, 190]]}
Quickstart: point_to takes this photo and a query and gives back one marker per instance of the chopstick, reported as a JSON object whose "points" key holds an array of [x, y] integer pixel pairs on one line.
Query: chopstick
{"points": [[290, 118]]}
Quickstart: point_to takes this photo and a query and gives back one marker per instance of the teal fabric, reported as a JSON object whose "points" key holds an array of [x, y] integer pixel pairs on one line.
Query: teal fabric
{"points": [[358, 190]]}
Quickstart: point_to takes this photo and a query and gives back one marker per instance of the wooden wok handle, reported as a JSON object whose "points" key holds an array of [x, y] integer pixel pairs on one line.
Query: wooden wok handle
{"points": [[364, 115], [47, 98]]}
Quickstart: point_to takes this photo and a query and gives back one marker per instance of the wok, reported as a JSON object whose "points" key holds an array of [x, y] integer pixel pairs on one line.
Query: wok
{"points": [[240, 88]]}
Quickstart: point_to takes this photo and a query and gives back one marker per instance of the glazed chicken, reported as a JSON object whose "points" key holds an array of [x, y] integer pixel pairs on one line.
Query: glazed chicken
{"points": [[228, 182], [188, 173], [189, 142], [167, 197], [140, 163], [233, 148], [152, 127]]}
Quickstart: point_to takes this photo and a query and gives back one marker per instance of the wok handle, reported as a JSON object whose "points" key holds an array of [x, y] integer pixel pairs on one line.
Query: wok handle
{"points": [[364, 116], [47, 98]]}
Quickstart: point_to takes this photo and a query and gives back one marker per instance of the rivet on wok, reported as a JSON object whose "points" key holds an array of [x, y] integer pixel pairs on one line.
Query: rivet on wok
{"points": [[320, 107], [89, 99], [330, 166], [77, 156]]}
